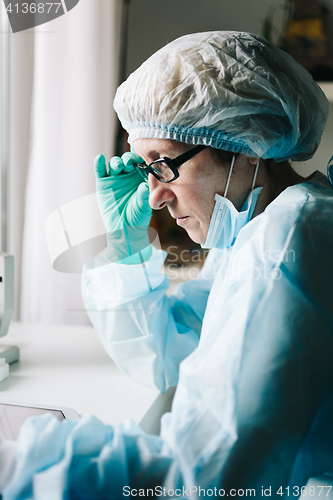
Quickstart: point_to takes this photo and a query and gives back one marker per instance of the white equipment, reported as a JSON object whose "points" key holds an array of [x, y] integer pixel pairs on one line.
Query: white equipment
{"points": [[9, 353]]}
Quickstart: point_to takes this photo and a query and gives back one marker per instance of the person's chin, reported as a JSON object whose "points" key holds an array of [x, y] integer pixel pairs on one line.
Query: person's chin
{"points": [[196, 236]]}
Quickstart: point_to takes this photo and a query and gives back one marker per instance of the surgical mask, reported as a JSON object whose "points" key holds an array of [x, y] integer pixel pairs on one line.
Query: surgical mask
{"points": [[226, 221]]}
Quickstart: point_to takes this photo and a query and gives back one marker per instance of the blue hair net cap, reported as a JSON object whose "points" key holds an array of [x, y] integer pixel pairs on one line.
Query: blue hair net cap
{"points": [[228, 90]]}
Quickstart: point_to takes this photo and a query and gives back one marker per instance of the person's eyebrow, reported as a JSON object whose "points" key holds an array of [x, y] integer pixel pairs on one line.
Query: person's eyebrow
{"points": [[150, 156], [156, 154], [152, 153]]}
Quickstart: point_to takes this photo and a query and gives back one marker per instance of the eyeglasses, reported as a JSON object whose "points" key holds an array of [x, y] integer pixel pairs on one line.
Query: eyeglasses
{"points": [[164, 169]]}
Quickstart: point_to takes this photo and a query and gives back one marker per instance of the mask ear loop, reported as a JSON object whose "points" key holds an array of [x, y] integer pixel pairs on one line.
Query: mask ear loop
{"points": [[228, 180], [255, 175]]}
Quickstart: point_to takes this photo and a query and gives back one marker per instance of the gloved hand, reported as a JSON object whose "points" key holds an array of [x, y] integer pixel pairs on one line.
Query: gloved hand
{"points": [[122, 195], [122, 198]]}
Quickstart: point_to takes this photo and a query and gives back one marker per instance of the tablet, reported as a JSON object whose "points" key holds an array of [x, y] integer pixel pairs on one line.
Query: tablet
{"points": [[12, 416]]}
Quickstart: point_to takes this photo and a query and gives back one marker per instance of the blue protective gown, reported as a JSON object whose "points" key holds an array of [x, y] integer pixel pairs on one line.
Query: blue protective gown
{"points": [[250, 345]]}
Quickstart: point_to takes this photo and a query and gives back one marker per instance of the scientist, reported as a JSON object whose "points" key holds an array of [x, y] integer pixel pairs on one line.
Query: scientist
{"points": [[213, 119]]}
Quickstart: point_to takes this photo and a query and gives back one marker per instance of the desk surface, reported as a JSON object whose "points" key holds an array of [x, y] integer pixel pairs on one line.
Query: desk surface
{"points": [[67, 366]]}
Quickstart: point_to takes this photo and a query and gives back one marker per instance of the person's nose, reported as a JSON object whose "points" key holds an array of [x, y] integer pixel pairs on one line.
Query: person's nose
{"points": [[160, 193]]}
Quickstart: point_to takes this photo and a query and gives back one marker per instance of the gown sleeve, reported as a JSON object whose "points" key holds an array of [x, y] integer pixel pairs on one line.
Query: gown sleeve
{"points": [[145, 332]]}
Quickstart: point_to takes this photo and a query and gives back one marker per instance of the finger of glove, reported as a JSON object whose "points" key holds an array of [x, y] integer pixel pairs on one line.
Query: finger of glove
{"points": [[138, 210], [142, 196], [129, 160], [100, 167], [116, 165]]}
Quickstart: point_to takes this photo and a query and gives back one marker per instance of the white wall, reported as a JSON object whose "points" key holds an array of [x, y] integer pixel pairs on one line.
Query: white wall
{"points": [[153, 23]]}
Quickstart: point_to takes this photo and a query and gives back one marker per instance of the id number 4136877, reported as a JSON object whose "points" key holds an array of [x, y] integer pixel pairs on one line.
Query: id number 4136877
{"points": [[33, 8]]}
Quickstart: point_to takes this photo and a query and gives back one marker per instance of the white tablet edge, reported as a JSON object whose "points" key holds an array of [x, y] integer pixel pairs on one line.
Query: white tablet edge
{"points": [[68, 413]]}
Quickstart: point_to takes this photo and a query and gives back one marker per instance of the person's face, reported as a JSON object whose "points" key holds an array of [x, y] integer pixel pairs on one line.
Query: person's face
{"points": [[190, 198]]}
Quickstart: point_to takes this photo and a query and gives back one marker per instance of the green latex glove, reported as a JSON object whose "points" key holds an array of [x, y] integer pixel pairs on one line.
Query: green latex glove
{"points": [[122, 195], [122, 198]]}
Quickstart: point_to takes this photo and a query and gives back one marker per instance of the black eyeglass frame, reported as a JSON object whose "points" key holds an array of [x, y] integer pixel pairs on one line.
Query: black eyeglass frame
{"points": [[174, 164]]}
